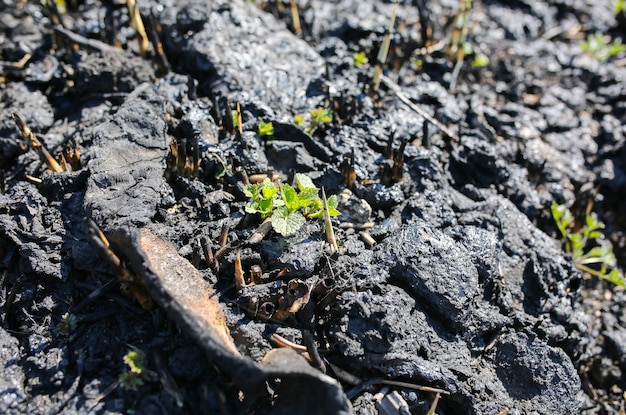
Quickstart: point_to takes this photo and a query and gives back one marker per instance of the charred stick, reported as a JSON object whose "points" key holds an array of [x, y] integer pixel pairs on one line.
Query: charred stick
{"points": [[280, 341], [348, 170], [137, 24], [208, 252], [426, 30], [261, 232], [36, 145], [295, 18], [309, 342], [407, 385], [224, 235], [224, 250], [240, 282], [433, 407], [389, 148], [367, 238], [113, 282], [330, 233], [153, 34], [92, 44]]}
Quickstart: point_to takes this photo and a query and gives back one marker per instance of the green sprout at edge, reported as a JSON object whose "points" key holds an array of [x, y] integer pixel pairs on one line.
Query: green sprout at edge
{"points": [[590, 251]]}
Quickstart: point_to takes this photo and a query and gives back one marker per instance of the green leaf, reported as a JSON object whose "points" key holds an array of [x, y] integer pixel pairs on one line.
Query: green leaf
{"points": [[266, 130], [305, 184], [360, 59], [592, 222], [332, 201], [578, 244], [616, 278], [480, 61], [286, 223], [252, 207], [265, 208], [290, 197], [562, 216], [333, 212], [135, 361], [130, 381], [251, 190], [269, 191]]}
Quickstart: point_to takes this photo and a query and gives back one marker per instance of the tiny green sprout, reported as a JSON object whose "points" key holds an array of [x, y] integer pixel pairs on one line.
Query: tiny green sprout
{"points": [[619, 6], [287, 206], [131, 379], [312, 120], [298, 119], [68, 323], [598, 47], [590, 251], [360, 59], [480, 61], [235, 115], [266, 130], [467, 48], [419, 63]]}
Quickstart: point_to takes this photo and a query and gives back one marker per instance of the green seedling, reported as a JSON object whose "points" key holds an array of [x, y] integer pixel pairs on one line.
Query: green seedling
{"points": [[237, 118], [619, 6], [590, 251], [266, 130], [67, 325], [288, 207], [360, 59], [131, 378], [480, 61], [312, 120], [602, 47]]}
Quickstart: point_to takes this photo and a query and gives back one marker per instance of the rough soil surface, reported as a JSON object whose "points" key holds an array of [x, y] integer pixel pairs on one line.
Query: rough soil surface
{"points": [[450, 273]]}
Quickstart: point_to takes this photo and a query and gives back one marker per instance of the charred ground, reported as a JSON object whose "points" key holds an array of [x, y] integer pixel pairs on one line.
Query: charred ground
{"points": [[462, 284]]}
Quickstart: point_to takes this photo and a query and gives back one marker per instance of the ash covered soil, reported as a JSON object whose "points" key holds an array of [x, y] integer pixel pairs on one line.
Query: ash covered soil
{"points": [[450, 273]]}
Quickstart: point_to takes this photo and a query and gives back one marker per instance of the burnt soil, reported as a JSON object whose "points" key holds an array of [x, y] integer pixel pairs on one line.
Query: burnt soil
{"points": [[450, 272]]}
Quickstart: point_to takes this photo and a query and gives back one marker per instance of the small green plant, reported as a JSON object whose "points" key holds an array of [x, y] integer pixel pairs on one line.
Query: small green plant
{"points": [[619, 6], [480, 61], [235, 116], [131, 378], [312, 120], [287, 206], [600, 48], [590, 251], [68, 323], [266, 130], [360, 59]]}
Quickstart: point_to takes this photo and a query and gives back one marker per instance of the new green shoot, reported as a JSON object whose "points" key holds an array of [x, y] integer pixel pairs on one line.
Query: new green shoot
{"points": [[288, 207], [590, 251]]}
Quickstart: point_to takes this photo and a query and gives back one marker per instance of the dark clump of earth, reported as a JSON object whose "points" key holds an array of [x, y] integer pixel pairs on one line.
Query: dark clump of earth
{"points": [[449, 285]]}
